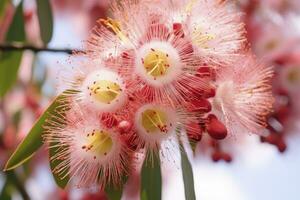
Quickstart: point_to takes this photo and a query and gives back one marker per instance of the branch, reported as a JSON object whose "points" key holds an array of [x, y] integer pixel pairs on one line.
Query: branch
{"points": [[22, 47]]}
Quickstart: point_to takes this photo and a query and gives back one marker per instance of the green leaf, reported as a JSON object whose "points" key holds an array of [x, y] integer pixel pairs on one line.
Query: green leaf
{"points": [[33, 140], [9, 67], [6, 191], [115, 192], [17, 184], [187, 173], [16, 31], [45, 16], [10, 61], [151, 181], [61, 179]]}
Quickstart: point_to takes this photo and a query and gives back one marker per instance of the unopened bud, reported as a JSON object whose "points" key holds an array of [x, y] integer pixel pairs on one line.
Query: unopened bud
{"points": [[215, 128], [124, 126], [200, 105]]}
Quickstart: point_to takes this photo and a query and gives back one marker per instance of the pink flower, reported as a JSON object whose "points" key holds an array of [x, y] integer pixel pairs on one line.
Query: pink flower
{"points": [[243, 96], [94, 86], [90, 153], [214, 26], [151, 73], [151, 124]]}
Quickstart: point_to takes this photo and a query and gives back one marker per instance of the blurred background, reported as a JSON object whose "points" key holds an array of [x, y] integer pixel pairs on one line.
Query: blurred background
{"points": [[36, 38]]}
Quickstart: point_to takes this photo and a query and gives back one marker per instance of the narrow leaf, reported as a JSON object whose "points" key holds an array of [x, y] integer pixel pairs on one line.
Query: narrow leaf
{"points": [[9, 66], [63, 178], [10, 61], [151, 181], [115, 192], [6, 191], [187, 173], [17, 184], [45, 16], [33, 140], [16, 31]]}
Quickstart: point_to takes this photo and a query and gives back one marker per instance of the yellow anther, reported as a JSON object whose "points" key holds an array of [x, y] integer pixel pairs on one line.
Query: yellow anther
{"points": [[189, 6], [105, 91], [154, 121], [156, 63], [202, 39], [115, 26], [99, 142]]}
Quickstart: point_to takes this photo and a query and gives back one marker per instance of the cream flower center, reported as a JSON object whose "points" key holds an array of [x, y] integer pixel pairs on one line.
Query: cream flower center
{"points": [[158, 63], [98, 142], [103, 90], [154, 121]]}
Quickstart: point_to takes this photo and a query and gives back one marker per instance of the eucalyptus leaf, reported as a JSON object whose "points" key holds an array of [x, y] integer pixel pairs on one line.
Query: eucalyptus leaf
{"points": [[9, 67], [33, 141], [151, 180], [10, 61], [115, 192], [7, 190], [61, 179], [187, 174], [45, 17]]}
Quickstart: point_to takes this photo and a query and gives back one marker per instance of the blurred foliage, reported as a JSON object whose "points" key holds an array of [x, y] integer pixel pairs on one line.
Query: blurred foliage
{"points": [[44, 12], [10, 61], [2, 7]]}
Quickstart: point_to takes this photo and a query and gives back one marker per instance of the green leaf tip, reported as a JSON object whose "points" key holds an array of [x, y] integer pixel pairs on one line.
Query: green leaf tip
{"points": [[34, 140]]}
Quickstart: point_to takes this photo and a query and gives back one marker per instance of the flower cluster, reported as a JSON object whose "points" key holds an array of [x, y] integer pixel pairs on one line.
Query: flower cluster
{"points": [[273, 30], [154, 68]]}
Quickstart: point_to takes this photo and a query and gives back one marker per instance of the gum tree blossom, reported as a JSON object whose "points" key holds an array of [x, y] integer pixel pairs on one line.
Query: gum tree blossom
{"points": [[152, 70], [243, 95], [92, 154]]}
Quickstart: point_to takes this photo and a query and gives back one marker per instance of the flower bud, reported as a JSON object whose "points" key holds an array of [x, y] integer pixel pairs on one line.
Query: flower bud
{"points": [[215, 128]]}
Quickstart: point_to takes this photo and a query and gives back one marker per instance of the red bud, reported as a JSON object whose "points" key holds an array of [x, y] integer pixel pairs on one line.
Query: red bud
{"points": [[200, 105], [216, 156], [124, 126], [227, 157], [281, 145], [215, 128]]}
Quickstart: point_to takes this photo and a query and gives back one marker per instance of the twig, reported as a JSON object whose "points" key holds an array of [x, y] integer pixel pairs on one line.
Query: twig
{"points": [[22, 47]]}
